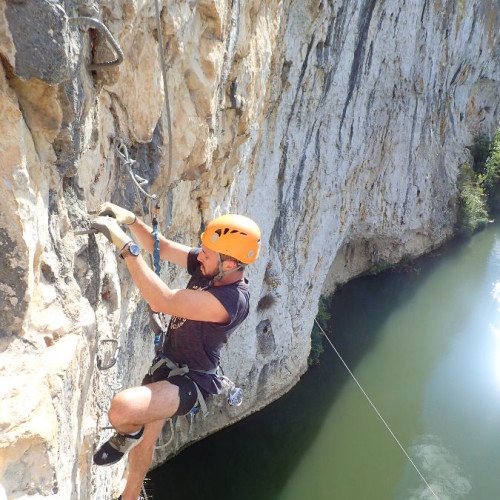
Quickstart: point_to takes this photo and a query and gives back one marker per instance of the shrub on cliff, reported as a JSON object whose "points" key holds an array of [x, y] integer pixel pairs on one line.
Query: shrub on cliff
{"points": [[491, 181], [479, 185], [473, 208]]}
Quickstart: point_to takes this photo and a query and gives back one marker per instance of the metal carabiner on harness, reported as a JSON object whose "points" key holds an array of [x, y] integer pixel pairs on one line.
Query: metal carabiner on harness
{"points": [[235, 396]]}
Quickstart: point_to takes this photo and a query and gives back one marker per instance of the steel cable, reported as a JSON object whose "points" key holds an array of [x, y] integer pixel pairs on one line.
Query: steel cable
{"points": [[376, 411]]}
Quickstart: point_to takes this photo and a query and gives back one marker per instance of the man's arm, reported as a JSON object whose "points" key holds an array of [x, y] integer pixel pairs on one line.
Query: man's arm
{"points": [[190, 304], [198, 305], [169, 250]]}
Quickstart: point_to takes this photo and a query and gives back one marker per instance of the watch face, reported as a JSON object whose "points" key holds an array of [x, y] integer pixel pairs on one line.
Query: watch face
{"points": [[134, 250]]}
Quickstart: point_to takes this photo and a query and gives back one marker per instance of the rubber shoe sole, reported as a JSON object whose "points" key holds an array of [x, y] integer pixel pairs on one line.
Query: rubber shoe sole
{"points": [[113, 450]]}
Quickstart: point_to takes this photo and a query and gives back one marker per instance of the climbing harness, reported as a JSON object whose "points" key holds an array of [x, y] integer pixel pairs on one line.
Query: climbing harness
{"points": [[376, 411], [92, 22], [234, 394], [176, 369]]}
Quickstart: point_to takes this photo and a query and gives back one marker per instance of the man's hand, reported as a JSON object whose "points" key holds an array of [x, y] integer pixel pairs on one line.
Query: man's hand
{"points": [[110, 228], [122, 215]]}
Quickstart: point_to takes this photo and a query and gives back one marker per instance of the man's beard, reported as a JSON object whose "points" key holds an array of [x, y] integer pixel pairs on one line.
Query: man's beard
{"points": [[205, 274]]}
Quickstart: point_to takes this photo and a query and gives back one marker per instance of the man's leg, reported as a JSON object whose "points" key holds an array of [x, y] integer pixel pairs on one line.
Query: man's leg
{"points": [[132, 408], [130, 411], [140, 459]]}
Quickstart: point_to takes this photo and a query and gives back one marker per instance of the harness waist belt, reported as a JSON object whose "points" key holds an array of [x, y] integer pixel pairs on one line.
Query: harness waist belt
{"points": [[176, 369]]}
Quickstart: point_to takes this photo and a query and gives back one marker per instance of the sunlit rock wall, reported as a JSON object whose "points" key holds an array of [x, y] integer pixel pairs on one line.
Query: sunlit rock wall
{"points": [[338, 126]]}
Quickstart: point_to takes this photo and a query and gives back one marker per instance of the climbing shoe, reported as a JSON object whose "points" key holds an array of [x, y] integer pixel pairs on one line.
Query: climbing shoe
{"points": [[114, 448]]}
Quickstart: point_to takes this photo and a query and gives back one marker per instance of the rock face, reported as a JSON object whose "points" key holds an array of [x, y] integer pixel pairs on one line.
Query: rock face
{"points": [[338, 126]]}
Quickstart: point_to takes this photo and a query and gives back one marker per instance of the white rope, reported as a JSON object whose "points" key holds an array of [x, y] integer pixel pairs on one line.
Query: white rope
{"points": [[376, 411]]}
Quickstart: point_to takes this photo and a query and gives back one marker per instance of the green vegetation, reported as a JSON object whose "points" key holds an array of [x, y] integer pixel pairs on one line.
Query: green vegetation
{"points": [[379, 267], [323, 318], [492, 174], [473, 210], [479, 185]]}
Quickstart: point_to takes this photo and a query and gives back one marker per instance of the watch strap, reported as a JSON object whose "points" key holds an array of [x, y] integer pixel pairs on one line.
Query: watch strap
{"points": [[125, 251]]}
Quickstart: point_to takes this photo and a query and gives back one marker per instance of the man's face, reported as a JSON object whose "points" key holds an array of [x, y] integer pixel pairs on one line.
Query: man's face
{"points": [[209, 262]]}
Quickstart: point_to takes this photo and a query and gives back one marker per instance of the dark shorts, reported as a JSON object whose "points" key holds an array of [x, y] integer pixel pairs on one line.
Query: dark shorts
{"points": [[188, 396]]}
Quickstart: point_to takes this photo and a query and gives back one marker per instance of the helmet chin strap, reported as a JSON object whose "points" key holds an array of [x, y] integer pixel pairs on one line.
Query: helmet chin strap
{"points": [[222, 273]]}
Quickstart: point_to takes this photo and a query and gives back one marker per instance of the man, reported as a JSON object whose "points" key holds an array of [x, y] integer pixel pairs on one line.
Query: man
{"points": [[203, 316]]}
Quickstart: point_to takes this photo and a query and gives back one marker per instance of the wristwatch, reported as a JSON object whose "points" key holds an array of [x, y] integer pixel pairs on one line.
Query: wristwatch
{"points": [[130, 249]]}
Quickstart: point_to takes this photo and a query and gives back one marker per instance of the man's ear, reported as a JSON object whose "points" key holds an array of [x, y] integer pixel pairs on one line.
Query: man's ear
{"points": [[232, 263]]}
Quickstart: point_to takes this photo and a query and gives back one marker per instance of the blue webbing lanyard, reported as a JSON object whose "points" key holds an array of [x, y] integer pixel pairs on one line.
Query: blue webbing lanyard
{"points": [[156, 260], [156, 246]]}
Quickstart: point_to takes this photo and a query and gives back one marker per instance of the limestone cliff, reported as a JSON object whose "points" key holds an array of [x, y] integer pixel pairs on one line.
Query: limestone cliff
{"points": [[339, 126]]}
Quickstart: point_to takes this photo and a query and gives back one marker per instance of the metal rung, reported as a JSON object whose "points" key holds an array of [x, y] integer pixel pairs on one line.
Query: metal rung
{"points": [[81, 232], [112, 363], [92, 22]]}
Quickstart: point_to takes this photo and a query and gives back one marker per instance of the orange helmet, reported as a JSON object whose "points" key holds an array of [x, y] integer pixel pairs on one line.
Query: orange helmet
{"points": [[233, 235]]}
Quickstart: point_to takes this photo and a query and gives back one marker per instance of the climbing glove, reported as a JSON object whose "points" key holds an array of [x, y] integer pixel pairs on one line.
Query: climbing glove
{"points": [[110, 228], [122, 215]]}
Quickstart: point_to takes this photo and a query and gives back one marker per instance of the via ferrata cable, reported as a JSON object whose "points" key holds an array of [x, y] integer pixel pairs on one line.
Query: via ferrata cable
{"points": [[376, 411], [161, 54]]}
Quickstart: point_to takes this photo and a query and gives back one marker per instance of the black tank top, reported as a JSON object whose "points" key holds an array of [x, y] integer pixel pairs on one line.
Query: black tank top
{"points": [[197, 344]]}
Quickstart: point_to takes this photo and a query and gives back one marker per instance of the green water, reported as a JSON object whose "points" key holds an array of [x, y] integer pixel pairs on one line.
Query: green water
{"points": [[425, 346]]}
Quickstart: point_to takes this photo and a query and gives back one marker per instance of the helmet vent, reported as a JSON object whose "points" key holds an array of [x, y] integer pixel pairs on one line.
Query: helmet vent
{"points": [[227, 230]]}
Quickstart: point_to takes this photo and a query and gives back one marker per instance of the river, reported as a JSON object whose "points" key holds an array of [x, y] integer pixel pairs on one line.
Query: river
{"points": [[424, 344]]}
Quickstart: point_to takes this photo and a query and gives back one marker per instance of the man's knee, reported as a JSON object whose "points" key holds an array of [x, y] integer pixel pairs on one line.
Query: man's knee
{"points": [[119, 410]]}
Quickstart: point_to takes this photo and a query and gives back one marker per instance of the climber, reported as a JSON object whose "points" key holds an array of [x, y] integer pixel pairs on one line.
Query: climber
{"points": [[214, 303]]}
